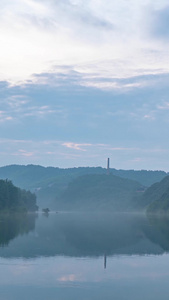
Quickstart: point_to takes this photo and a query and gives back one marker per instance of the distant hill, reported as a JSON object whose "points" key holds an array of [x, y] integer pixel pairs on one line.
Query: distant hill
{"points": [[50, 183], [47, 182], [146, 178], [156, 197], [100, 192]]}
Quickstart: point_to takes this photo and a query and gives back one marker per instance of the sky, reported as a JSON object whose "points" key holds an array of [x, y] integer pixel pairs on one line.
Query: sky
{"points": [[81, 81]]}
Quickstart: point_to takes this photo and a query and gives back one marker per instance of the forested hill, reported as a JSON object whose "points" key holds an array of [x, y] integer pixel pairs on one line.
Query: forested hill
{"points": [[31, 175], [50, 183], [156, 197], [146, 178], [15, 199], [100, 192]]}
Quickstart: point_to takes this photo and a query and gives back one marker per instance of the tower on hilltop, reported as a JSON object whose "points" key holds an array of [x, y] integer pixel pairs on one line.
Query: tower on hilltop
{"points": [[108, 166]]}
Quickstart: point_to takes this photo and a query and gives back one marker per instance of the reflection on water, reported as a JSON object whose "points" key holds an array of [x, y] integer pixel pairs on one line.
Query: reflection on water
{"points": [[82, 235], [84, 256], [13, 225]]}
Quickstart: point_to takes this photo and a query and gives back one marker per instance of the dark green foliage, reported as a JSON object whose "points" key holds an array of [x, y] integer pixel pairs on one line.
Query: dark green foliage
{"points": [[156, 198], [9, 195], [28, 199], [100, 192], [160, 205], [13, 198]]}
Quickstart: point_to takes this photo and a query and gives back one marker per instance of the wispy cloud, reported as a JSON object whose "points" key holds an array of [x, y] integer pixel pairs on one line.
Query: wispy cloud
{"points": [[92, 76], [15, 101], [57, 33], [58, 153], [149, 117], [76, 146], [25, 153], [84, 80], [163, 106]]}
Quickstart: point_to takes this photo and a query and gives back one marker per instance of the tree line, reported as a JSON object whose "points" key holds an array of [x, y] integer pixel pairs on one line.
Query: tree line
{"points": [[13, 198]]}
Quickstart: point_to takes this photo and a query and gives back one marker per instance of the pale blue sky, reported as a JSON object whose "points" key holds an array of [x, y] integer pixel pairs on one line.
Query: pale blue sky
{"points": [[83, 81]]}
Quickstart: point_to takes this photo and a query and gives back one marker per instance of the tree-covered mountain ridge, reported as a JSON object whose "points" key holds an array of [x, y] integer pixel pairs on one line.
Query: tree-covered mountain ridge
{"points": [[86, 186], [100, 192], [28, 176], [156, 197], [14, 199], [110, 192]]}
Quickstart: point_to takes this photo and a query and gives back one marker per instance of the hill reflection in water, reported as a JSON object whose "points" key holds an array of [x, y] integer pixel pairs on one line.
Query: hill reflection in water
{"points": [[13, 225], [83, 235]]}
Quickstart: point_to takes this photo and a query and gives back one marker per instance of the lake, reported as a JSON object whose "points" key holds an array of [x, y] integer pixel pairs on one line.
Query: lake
{"points": [[69, 256]]}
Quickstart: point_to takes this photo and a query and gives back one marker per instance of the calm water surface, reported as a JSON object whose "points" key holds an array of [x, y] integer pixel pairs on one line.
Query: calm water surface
{"points": [[84, 256]]}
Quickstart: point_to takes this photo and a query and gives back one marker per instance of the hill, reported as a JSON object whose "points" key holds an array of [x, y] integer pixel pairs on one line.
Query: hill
{"points": [[15, 199], [50, 183], [100, 192], [146, 178], [156, 197]]}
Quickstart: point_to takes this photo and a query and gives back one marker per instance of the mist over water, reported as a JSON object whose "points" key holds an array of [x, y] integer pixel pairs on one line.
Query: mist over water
{"points": [[84, 256]]}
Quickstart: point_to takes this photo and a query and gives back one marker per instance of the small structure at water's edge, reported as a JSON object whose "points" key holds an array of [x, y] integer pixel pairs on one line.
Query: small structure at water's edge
{"points": [[45, 210]]}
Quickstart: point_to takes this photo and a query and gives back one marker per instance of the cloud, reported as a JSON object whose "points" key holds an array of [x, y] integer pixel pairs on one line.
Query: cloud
{"points": [[76, 146], [40, 36], [5, 118], [72, 112], [84, 73], [25, 153], [164, 106], [149, 117], [77, 77], [159, 23], [57, 153], [77, 11], [40, 112], [16, 100]]}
